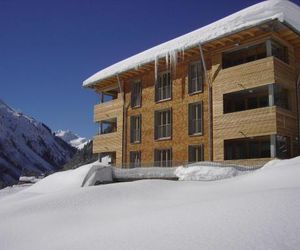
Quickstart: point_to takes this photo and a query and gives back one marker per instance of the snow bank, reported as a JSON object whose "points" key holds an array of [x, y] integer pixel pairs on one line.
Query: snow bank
{"points": [[284, 11], [61, 181], [254, 211], [207, 173]]}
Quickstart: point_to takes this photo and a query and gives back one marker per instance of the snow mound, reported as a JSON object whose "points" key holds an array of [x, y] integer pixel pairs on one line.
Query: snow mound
{"points": [[61, 181], [207, 173], [254, 211], [284, 11]]}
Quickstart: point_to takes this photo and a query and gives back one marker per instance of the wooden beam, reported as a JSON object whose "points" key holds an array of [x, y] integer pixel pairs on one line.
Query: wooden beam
{"points": [[250, 33], [228, 39], [238, 36]]}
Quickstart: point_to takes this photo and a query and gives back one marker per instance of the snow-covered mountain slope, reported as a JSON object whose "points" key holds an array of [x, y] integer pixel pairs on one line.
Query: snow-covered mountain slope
{"points": [[27, 145], [259, 210], [73, 139]]}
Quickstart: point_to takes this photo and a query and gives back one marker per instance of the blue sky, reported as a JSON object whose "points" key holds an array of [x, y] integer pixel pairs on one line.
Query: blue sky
{"points": [[48, 47]]}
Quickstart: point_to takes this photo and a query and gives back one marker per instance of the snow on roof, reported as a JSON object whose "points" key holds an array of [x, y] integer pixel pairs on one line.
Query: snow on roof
{"points": [[282, 10]]}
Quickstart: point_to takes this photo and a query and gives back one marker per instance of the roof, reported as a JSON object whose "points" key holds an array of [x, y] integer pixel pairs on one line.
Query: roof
{"points": [[282, 10]]}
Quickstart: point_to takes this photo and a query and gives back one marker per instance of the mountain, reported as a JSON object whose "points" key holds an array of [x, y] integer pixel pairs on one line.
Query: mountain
{"points": [[73, 139], [28, 146], [82, 156]]}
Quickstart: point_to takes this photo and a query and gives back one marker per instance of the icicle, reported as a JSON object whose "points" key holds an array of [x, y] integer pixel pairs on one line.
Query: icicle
{"points": [[173, 59], [167, 60], [182, 53], [155, 68]]}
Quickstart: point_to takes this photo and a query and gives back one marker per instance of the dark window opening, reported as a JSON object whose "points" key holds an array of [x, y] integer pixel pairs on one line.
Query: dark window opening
{"points": [[136, 92], [163, 157], [255, 52], [163, 87], [279, 51], [283, 147], [195, 118], [109, 96], [244, 55], [196, 153], [163, 124], [281, 97], [247, 148], [108, 126], [246, 99], [135, 129], [196, 78], [135, 159]]}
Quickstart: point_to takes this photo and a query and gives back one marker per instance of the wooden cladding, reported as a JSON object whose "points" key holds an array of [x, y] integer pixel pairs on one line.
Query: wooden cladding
{"points": [[174, 131]]}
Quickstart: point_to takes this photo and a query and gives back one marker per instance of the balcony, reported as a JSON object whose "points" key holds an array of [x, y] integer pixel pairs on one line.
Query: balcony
{"points": [[109, 115], [108, 110]]}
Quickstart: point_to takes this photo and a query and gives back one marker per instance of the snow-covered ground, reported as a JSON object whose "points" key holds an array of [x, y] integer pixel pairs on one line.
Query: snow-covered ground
{"points": [[257, 210]]}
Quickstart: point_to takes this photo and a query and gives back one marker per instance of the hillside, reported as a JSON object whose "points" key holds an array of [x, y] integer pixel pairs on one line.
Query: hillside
{"points": [[28, 146]]}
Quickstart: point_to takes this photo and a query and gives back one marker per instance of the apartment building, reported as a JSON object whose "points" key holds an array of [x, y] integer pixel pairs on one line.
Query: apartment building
{"points": [[225, 92]]}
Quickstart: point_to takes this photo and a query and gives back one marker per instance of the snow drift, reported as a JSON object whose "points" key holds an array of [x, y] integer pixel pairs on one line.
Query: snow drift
{"points": [[253, 211]]}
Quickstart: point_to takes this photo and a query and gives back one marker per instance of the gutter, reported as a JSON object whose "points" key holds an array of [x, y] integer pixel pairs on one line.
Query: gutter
{"points": [[210, 131]]}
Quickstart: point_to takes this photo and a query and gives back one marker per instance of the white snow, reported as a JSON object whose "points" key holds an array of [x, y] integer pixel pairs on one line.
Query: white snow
{"points": [[61, 181], [207, 173], [283, 10], [73, 139], [259, 210], [29, 179]]}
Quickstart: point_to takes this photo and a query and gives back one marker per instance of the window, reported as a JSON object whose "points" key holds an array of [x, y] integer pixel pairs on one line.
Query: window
{"points": [[281, 97], [283, 148], [163, 124], [279, 51], [247, 148], [135, 129], [108, 126], [108, 95], [195, 77], [135, 159], [246, 99], [163, 87], [196, 153], [195, 118], [163, 157], [255, 52], [136, 91], [244, 55]]}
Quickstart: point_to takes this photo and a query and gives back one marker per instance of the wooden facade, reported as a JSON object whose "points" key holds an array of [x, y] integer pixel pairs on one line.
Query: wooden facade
{"points": [[265, 121]]}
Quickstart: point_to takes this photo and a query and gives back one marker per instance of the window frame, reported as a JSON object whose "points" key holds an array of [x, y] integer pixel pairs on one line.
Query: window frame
{"points": [[168, 163], [136, 94], [201, 76], [201, 124], [132, 129], [201, 146], [156, 112], [156, 99], [133, 164]]}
